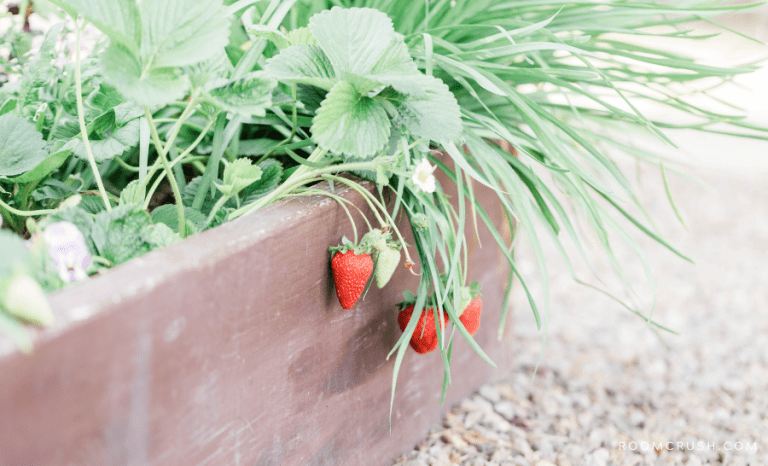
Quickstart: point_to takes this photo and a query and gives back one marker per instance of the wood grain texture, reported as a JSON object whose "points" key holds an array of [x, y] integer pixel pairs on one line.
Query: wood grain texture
{"points": [[230, 348]]}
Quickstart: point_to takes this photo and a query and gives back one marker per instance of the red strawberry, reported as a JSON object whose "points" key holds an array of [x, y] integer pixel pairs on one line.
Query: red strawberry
{"points": [[421, 343], [471, 315], [351, 271]]}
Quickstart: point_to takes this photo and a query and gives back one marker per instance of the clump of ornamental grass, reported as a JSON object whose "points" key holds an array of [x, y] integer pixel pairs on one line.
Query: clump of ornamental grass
{"points": [[233, 108]]}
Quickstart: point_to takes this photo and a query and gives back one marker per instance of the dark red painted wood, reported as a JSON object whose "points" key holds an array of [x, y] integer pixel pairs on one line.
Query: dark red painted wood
{"points": [[230, 348]]}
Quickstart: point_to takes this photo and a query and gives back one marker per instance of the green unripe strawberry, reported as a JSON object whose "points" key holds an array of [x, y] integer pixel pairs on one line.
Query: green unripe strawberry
{"points": [[23, 297], [386, 264], [386, 254]]}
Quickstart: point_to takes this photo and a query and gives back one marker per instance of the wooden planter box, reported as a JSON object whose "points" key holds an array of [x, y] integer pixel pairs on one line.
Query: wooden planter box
{"points": [[230, 348]]}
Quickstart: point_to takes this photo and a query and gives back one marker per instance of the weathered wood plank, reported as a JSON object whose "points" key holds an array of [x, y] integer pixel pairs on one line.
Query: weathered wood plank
{"points": [[231, 348]]}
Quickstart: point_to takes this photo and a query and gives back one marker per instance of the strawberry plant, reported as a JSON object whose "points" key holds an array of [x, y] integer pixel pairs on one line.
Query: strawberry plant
{"points": [[191, 113]]}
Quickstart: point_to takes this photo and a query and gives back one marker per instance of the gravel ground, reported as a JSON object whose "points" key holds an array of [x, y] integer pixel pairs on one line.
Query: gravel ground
{"points": [[608, 391]]}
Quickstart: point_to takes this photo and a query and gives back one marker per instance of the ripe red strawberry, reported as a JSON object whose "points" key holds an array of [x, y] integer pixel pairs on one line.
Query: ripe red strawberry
{"points": [[471, 315], [421, 343], [351, 269]]}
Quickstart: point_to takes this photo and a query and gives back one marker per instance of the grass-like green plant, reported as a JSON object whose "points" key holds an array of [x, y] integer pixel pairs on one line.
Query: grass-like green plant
{"points": [[239, 105], [555, 80]]}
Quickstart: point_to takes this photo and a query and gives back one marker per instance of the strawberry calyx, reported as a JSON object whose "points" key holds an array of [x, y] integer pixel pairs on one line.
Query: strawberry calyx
{"points": [[347, 245], [380, 240], [409, 299], [468, 293]]}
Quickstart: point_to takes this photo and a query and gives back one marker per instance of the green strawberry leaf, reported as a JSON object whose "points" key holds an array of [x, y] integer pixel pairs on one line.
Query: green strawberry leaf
{"points": [[397, 69], [435, 116], [250, 95], [53, 189], [301, 36], [349, 123], [117, 19], [111, 142], [310, 96], [101, 100], [354, 39], [305, 64], [362, 85], [182, 32], [22, 147], [251, 147], [237, 176], [288, 172], [271, 173], [159, 235], [271, 34], [38, 72], [110, 139], [43, 169], [169, 215], [116, 234], [8, 106], [151, 41], [131, 194], [190, 191], [395, 60], [410, 84], [204, 72], [93, 204], [156, 87], [127, 112]]}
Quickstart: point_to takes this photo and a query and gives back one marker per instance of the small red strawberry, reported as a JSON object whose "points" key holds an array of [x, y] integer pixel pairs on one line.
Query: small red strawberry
{"points": [[470, 317], [352, 266], [424, 338]]}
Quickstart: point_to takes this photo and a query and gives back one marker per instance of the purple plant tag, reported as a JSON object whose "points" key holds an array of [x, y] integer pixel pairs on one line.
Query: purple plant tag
{"points": [[66, 246]]}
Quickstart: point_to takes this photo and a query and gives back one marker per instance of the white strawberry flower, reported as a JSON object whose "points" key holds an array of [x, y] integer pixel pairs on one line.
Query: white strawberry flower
{"points": [[66, 246], [423, 178]]}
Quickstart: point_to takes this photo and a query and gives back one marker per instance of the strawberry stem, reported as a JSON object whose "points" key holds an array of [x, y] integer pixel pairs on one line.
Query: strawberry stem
{"points": [[25, 213], [173, 162], [341, 201], [302, 176], [162, 152], [81, 117], [362, 191]]}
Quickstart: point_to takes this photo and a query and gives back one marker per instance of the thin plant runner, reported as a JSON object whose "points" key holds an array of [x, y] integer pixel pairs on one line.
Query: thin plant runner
{"points": [[192, 113]]}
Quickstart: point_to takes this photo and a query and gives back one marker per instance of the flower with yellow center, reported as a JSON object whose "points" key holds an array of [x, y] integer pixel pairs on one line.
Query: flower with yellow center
{"points": [[423, 178]]}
